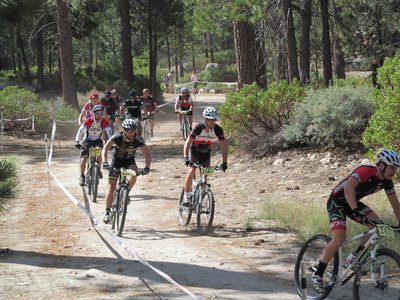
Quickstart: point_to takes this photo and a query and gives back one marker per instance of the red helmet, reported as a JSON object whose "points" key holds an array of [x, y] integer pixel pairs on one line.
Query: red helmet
{"points": [[93, 96], [193, 72], [113, 91]]}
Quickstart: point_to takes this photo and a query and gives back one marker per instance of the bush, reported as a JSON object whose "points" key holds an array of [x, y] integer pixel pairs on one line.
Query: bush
{"points": [[8, 183], [223, 73], [384, 127], [329, 117], [252, 108]]}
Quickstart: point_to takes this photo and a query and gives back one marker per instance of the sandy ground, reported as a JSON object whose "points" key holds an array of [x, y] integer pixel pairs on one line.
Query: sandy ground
{"points": [[72, 259]]}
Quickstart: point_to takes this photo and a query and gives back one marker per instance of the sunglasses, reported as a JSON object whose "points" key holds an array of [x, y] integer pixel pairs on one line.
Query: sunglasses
{"points": [[130, 130], [99, 114]]}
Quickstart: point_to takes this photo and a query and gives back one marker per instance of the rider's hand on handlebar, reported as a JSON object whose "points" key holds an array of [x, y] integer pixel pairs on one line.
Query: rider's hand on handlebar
{"points": [[77, 145], [187, 161], [146, 171], [106, 165], [223, 166], [359, 216]]}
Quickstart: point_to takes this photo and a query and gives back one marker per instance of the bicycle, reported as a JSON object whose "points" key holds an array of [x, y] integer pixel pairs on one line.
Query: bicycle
{"points": [[383, 264], [201, 201], [146, 129], [92, 173], [121, 200], [184, 123]]}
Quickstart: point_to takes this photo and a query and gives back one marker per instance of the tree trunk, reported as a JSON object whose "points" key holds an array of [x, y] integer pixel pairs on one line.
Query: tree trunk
{"points": [[24, 58], [193, 58], [39, 53], [169, 55], [339, 69], [261, 56], [326, 43], [205, 45], [280, 62], [243, 33], [155, 62], [212, 59], [291, 47], [13, 57], [66, 56], [127, 64], [176, 69], [305, 12]]}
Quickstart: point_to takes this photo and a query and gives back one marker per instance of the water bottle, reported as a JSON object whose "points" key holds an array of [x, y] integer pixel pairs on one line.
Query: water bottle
{"points": [[350, 258]]}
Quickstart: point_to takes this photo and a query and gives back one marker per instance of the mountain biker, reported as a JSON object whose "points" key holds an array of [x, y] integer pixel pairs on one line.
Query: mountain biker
{"points": [[194, 81], [111, 106], [151, 107], [184, 102], [126, 143], [197, 147], [93, 128], [345, 201], [87, 110], [134, 106], [118, 100]]}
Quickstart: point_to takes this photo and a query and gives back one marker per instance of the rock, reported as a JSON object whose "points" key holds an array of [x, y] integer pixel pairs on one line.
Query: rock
{"points": [[312, 156], [365, 161], [351, 157], [279, 161], [212, 66], [326, 161]]}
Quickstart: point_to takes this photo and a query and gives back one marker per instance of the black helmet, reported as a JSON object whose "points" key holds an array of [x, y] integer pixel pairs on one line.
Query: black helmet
{"points": [[129, 124], [107, 93], [132, 93], [98, 107]]}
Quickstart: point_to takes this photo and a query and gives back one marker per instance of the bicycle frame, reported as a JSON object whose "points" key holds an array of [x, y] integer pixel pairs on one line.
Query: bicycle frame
{"points": [[198, 186]]}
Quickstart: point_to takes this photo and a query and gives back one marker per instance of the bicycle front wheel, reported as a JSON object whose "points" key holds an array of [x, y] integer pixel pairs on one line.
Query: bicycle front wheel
{"points": [[94, 183], [120, 211], [185, 127], [146, 131], [386, 284], [310, 254], [205, 212], [88, 180], [184, 212]]}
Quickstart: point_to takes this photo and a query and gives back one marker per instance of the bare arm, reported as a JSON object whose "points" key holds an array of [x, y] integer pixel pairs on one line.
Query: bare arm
{"points": [[105, 150], [224, 151], [147, 155], [80, 120], [186, 148], [350, 192]]}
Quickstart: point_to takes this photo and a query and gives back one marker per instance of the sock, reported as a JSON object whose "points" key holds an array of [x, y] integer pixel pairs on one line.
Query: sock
{"points": [[107, 210], [321, 268], [187, 195]]}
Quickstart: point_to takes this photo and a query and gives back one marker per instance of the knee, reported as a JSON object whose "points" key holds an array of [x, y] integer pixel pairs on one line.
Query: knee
{"points": [[338, 241]]}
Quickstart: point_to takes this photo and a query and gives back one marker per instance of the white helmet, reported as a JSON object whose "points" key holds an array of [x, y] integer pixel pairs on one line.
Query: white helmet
{"points": [[184, 90], [210, 113], [389, 157], [129, 124]]}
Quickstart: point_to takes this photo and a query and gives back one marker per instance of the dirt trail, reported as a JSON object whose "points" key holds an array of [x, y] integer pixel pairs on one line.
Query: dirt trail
{"points": [[73, 259]]}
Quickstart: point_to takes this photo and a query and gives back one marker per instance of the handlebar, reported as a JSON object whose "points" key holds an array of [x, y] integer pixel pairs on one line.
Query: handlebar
{"points": [[182, 112]]}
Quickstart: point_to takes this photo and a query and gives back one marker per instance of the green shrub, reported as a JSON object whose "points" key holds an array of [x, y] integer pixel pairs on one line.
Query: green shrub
{"points": [[223, 73], [384, 127], [8, 182], [330, 117], [253, 108]]}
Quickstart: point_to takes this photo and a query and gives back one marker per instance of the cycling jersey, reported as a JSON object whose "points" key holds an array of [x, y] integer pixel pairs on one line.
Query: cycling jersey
{"points": [[149, 103], [88, 109], [203, 140], [369, 182], [110, 105], [93, 129], [185, 102], [125, 151], [134, 108]]}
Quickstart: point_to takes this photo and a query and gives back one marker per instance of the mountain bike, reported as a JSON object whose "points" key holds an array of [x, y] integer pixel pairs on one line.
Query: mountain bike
{"points": [[146, 129], [201, 201], [92, 173], [377, 273], [185, 123], [121, 200]]}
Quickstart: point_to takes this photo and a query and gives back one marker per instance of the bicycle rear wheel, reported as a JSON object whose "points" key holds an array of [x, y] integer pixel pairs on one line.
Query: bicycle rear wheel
{"points": [[205, 212], [120, 211], [310, 254], [387, 277], [146, 131], [184, 212], [94, 183], [185, 127]]}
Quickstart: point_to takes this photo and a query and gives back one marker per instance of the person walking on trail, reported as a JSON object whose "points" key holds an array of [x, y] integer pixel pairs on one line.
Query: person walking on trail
{"points": [[166, 83], [171, 77], [126, 143], [92, 128], [344, 201], [151, 106], [87, 110], [184, 102], [194, 81], [111, 106], [134, 105], [197, 147]]}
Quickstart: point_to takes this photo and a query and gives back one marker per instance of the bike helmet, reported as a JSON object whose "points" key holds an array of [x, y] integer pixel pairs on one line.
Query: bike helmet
{"points": [[98, 107], [210, 113], [129, 124], [132, 93], [184, 90], [93, 96], [389, 157], [113, 91], [107, 93]]}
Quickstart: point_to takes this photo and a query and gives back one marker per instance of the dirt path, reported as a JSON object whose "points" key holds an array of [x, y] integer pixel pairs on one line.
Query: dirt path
{"points": [[72, 259]]}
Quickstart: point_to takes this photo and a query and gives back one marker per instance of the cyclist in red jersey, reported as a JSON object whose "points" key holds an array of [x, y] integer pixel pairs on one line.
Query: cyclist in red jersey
{"points": [[197, 147], [87, 110], [184, 102], [345, 201], [151, 106]]}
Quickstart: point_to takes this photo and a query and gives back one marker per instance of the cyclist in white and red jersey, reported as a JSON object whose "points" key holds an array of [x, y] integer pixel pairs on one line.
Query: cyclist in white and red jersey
{"points": [[344, 201], [92, 128], [184, 102], [197, 147], [87, 110]]}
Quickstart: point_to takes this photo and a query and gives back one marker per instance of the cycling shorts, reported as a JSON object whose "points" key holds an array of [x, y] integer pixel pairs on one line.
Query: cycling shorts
{"points": [[86, 144], [114, 170], [338, 211], [201, 158]]}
